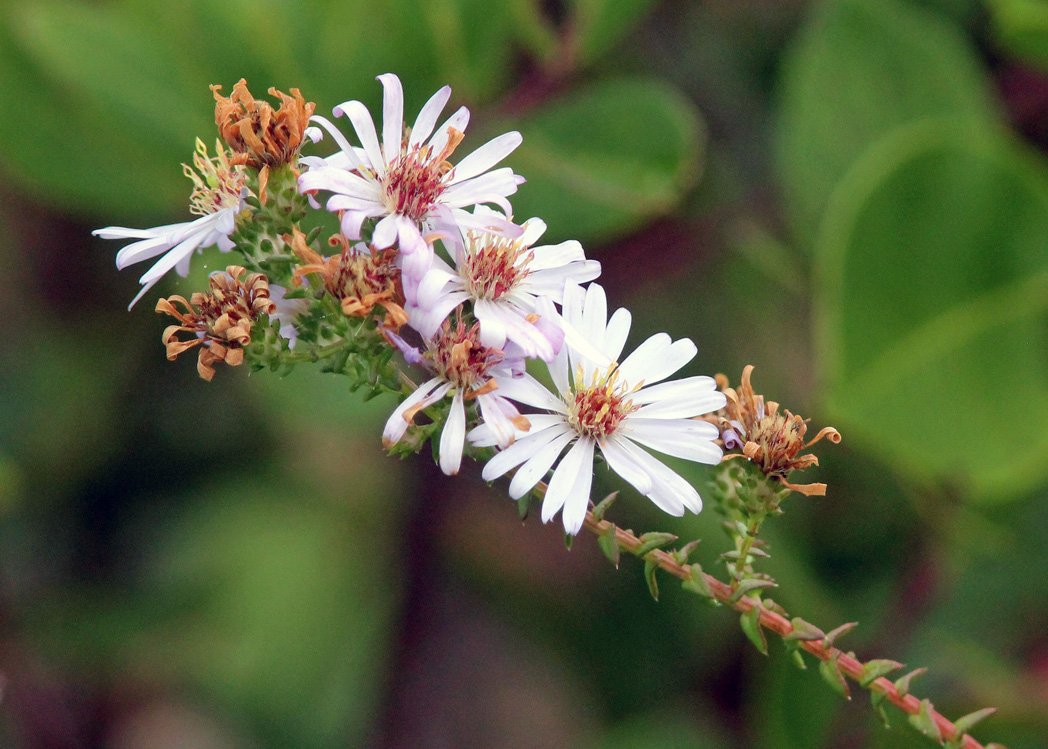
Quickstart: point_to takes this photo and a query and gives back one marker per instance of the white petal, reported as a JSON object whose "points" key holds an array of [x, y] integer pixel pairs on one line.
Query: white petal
{"points": [[531, 392], [672, 438], [427, 116], [344, 145], [620, 461], [360, 118], [458, 121], [520, 451], [392, 117], [485, 157], [578, 462], [453, 436], [485, 188], [670, 492], [656, 359], [617, 332], [536, 467], [396, 425]]}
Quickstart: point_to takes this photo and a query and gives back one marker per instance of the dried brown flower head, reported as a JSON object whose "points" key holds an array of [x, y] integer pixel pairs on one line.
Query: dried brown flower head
{"points": [[220, 320], [361, 280], [770, 437], [259, 136]]}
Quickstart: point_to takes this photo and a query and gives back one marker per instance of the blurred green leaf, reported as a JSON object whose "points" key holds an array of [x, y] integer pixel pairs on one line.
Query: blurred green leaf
{"points": [[117, 63], [933, 281], [608, 158], [858, 69], [65, 150], [1020, 27], [599, 24], [284, 610]]}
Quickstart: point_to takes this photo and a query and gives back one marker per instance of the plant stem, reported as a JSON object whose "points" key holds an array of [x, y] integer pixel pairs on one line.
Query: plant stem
{"points": [[781, 626]]}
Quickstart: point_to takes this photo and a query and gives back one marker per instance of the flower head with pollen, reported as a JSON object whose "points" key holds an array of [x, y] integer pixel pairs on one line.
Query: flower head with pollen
{"points": [[772, 438], [618, 409], [220, 320], [468, 371], [218, 198], [511, 284], [360, 277], [406, 179]]}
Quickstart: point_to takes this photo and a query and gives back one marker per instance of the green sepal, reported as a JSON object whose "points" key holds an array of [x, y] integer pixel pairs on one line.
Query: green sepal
{"points": [[924, 722], [652, 541], [793, 649], [524, 506], [875, 669], [698, 583], [831, 672], [568, 541], [832, 635], [649, 577], [803, 630], [754, 551], [748, 585], [903, 684], [877, 699], [602, 507], [609, 544], [965, 724], [751, 626], [681, 555]]}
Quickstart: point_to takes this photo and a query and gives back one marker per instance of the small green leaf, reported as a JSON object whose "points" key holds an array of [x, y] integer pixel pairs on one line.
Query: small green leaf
{"points": [[650, 568], [681, 555], [750, 584], [568, 541], [751, 625], [965, 724], [831, 672], [698, 583], [878, 699], [840, 631], [653, 540], [925, 723], [609, 545], [875, 669], [524, 506], [903, 684], [803, 630], [602, 507]]}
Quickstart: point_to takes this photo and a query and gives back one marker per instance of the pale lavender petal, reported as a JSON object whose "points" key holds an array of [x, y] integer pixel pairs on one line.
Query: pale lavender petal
{"points": [[485, 157], [427, 116], [453, 436], [392, 116], [360, 118]]}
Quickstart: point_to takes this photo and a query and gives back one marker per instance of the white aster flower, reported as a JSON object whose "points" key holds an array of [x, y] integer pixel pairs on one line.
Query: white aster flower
{"points": [[467, 371], [405, 180], [218, 196], [615, 409], [505, 280]]}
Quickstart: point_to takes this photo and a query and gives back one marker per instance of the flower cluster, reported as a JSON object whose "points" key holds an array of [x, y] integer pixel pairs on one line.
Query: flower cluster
{"points": [[430, 262]]}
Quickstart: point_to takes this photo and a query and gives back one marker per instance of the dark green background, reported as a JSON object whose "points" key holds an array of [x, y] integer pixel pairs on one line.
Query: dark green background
{"points": [[851, 195]]}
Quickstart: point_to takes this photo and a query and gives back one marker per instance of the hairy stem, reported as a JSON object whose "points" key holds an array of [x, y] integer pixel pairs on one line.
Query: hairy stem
{"points": [[782, 626]]}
